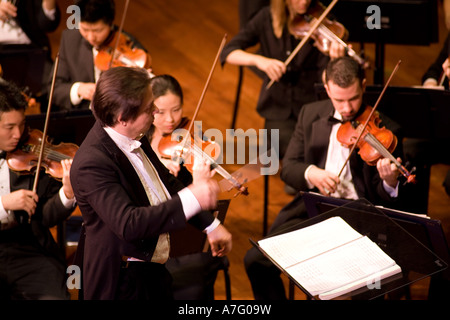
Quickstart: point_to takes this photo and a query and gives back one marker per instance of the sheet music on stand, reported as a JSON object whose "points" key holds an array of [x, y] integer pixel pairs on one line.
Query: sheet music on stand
{"points": [[394, 258]]}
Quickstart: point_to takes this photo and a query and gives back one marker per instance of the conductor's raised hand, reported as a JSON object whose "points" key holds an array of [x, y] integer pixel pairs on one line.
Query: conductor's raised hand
{"points": [[204, 188]]}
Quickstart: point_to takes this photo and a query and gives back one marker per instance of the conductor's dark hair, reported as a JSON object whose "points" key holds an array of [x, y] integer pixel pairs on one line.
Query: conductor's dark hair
{"points": [[120, 91]]}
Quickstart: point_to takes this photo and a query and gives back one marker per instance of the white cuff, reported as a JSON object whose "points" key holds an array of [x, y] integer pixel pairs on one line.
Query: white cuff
{"points": [[309, 184], [393, 192], [3, 213], [68, 203], [212, 226], [190, 204], [74, 97]]}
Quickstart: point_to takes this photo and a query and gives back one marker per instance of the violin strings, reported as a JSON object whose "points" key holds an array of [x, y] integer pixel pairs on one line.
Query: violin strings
{"points": [[52, 154], [331, 35], [380, 147]]}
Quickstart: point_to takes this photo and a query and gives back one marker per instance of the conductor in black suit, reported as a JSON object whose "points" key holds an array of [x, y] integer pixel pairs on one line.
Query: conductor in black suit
{"points": [[128, 199], [31, 263], [312, 162]]}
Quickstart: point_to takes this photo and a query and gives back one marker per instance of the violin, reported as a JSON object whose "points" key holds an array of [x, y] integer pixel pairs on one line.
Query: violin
{"points": [[118, 51], [374, 143], [25, 158], [325, 33], [181, 147]]}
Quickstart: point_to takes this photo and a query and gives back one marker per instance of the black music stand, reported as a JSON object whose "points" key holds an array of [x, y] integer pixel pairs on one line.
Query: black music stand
{"points": [[64, 126], [396, 27], [415, 259]]}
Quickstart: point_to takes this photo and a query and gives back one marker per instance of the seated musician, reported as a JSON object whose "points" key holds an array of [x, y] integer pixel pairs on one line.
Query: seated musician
{"points": [[314, 158], [169, 101], [193, 274], [78, 70], [31, 264]]}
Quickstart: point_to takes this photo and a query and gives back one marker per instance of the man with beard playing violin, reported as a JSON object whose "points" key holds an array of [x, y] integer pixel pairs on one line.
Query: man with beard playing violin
{"points": [[314, 158]]}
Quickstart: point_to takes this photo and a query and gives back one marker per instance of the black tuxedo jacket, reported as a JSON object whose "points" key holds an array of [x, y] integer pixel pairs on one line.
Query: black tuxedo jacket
{"points": [[309, 145], [118, 217]]}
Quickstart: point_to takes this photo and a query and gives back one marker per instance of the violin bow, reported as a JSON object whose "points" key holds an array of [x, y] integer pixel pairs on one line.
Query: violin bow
{"points": [[370, 116], [306, 38], [44, 132], [119, 31], [208, 80]]}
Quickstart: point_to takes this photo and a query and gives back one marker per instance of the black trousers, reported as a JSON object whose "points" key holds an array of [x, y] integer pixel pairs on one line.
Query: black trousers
{"points": [[26, 273], [144, 281]]}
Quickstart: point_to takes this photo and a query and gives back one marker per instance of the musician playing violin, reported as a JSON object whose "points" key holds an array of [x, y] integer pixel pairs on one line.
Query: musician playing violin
{"points": [[31, 264], [269, 28], [169, 101], [314, 158], [79, 48]]}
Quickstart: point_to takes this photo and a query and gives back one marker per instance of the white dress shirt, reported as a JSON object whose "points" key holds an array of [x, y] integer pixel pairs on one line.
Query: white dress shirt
{"points": [[336, 157]]}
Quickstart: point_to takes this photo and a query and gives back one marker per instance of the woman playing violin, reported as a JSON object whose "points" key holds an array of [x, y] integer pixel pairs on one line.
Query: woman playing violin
{"points": [[280, 104], [78, 68], [169, 101]]}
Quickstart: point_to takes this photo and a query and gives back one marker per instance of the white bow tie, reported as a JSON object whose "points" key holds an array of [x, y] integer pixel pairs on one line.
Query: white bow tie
{"points": [[134, 144]]}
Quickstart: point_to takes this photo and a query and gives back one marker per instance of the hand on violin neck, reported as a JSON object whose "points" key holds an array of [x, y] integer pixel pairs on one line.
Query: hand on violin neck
{"points": [[202, 171], [86, 90], [67, 186], [388, 171], [337, 50], [173, 166]]}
